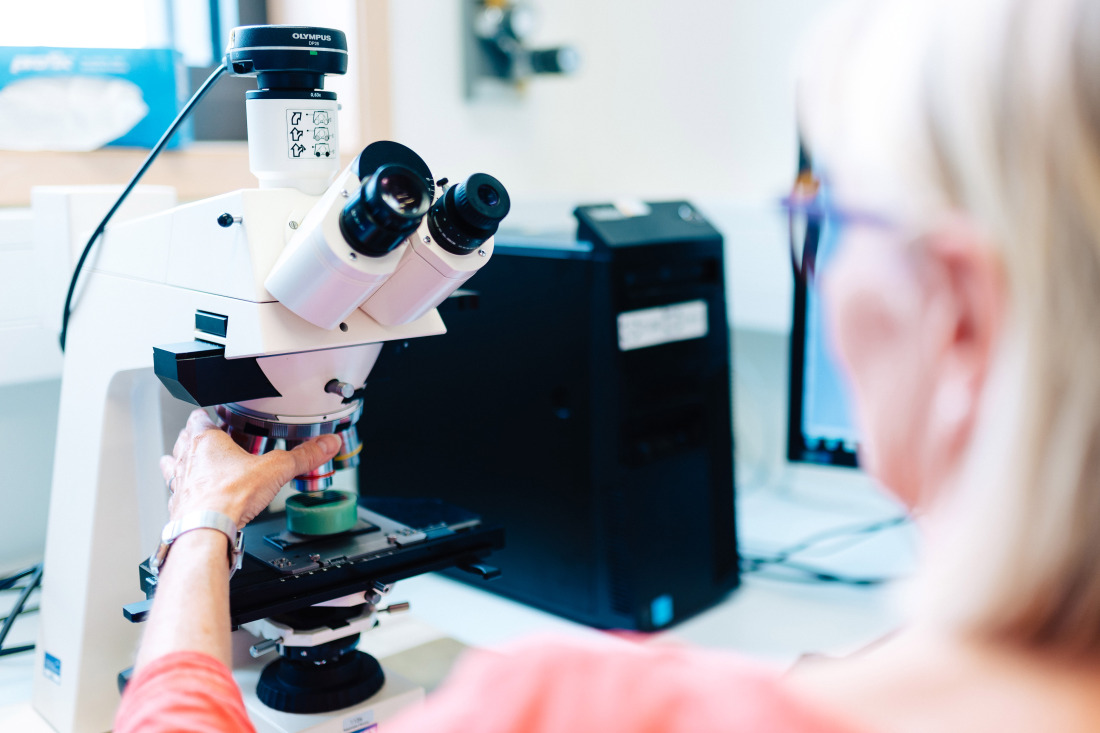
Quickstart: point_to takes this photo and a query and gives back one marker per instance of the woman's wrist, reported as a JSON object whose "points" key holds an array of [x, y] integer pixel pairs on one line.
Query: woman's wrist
{"points": [[205, 546], [191, 606], [202, 541]]}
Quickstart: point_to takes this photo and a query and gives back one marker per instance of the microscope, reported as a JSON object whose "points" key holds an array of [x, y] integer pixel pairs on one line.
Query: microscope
{"points": [[269, 306]]}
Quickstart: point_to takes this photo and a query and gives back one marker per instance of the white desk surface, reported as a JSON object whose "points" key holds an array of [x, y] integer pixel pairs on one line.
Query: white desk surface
{"points": [[766, 619]]}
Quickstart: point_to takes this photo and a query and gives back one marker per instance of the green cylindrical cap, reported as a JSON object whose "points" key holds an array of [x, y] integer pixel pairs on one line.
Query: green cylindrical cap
{"points": [[321, 512]]}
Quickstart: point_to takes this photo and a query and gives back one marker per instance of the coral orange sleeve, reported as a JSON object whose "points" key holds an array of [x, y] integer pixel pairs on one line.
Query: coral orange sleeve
{"points": [[561, 685], [183, 691]]}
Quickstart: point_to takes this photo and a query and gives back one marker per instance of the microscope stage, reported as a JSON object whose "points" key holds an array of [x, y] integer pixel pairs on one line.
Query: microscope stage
{"points": [[295, 554], [395, 538]]}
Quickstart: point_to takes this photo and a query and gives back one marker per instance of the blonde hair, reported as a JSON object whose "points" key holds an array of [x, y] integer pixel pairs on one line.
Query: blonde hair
{"points": [[992, 108]]}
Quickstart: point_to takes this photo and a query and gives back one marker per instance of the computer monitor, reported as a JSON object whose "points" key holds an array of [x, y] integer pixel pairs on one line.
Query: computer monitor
{"points": [[820, 427]]}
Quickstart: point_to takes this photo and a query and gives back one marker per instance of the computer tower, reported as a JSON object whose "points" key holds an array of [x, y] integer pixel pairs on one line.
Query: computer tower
{"points": [[580, 398]]}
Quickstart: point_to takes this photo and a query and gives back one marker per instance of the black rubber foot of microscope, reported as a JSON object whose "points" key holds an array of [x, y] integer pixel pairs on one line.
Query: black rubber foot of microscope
{"points": [[293, 687]]}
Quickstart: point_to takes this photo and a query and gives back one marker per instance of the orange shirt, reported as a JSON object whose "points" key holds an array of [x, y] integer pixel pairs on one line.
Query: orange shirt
{"points": [[540, 686], [553, 685], [183, 692]]}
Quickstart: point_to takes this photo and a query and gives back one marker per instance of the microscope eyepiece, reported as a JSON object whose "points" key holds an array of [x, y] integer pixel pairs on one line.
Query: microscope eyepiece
{"points": [[469, 213], [388, 208]]}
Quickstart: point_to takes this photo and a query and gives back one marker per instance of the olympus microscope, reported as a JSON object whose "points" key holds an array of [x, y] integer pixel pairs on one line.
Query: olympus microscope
{"points": [[269, 305]]}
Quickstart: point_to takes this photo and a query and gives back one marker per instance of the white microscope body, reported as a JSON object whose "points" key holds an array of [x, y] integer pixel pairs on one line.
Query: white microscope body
{"points": [[198, 276]]}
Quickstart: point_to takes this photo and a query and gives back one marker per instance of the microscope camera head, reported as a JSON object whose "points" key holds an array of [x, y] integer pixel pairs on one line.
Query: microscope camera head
{"points": [[292, 130]]}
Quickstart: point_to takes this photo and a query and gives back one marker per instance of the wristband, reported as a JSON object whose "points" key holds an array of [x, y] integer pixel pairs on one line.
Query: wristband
{"points": [[205, 519]]}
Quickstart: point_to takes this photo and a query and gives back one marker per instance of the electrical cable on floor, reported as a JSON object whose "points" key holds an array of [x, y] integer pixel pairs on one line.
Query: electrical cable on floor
{"points": [[35, 574], [9, 582], [24, 612]]}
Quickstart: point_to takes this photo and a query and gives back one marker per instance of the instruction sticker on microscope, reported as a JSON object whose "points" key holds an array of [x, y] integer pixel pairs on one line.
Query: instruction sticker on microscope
{"points": [[310, 133], [641, 329]]}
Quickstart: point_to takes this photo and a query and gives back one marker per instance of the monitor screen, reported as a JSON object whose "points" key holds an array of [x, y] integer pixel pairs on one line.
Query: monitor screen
{"points": [[820, 426]]}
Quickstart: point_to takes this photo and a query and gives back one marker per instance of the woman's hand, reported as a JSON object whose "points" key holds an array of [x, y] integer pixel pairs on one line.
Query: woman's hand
{"points": [[207, 470]]}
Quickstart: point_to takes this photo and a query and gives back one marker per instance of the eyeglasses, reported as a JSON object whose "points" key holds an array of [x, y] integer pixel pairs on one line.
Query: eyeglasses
{"points": [[811, 214]]}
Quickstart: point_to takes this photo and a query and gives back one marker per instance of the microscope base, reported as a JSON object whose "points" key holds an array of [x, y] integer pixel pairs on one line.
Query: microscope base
{"points": [[396, 694]]}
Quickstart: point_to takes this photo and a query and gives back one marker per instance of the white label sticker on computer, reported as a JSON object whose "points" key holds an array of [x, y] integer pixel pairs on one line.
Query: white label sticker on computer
{"points": [[654, 326]]}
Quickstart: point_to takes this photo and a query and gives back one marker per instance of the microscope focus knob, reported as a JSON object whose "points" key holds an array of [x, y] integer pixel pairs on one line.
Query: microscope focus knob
{"points": [[400, 607], [264, 647], [345, 390]]}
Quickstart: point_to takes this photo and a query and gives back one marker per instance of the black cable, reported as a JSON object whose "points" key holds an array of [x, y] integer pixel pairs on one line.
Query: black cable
{"points": [[198, 95], [23, 612], [805, 573], [810, 574], [844, 532], [16, 650], [35, 579], [10, 581], [813, 576]]}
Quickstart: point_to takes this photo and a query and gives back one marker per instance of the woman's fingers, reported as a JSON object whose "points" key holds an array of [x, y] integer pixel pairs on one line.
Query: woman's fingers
{"points": [[309, 455], [211, 471], [195, 425], [198, 421], [183, 442], [167, 467]]}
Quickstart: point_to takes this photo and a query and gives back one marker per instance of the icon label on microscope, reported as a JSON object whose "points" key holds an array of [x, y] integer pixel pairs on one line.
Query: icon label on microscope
{"points": [[310, 133]]}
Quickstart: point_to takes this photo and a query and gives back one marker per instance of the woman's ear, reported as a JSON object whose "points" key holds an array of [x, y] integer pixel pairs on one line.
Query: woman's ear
{"points": [[966, 302]]}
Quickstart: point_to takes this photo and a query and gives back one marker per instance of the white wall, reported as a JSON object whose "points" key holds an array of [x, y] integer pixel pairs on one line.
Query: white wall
{"points": [[692, 99], [28, 424], [689, 96]]}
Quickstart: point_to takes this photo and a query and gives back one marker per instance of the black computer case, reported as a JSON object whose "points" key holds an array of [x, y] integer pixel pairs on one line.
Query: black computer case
{"points": [[581, 398]]}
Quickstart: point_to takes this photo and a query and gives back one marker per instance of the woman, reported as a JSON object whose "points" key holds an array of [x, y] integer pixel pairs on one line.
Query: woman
{"points": [[959, 148]]}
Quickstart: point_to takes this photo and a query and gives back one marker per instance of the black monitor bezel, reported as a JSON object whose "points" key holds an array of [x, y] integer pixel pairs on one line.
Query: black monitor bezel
{"points": [[797, 449]]}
